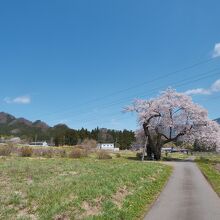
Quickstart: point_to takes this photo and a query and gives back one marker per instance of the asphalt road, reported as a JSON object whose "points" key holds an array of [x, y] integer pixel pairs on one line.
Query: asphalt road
{"points": [[187, 196]]}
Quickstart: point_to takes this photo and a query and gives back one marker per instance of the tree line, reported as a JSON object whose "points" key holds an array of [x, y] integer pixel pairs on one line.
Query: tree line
{"points": [[62, 135]]}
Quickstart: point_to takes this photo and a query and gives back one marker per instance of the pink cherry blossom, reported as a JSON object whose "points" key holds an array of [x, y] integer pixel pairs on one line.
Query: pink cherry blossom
{"points": [[173, 117]]}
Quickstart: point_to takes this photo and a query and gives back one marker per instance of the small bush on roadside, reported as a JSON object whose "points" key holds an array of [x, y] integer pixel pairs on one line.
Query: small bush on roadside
{"points": [[78, 153], [102, 155], [26, 151], [5, 151], [203, 159]]}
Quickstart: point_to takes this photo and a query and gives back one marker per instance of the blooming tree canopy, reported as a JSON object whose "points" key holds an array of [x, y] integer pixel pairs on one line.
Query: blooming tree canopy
{"points": [[172, 117]]}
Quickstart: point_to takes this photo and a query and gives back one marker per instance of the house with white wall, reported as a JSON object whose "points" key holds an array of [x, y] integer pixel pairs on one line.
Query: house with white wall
{"points": [[107, 146], [39, 143]]}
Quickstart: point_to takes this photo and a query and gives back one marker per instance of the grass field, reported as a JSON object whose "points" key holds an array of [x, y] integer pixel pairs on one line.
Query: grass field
{"points": [[64, 188], [210, 166]]}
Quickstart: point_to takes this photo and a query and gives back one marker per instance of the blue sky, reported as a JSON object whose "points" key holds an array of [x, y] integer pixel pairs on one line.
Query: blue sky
{"points": [[79, 62]]}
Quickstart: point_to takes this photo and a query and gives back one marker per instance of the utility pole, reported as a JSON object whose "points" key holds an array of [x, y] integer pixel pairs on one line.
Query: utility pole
{"points": [[35, 138], [64, 140]]}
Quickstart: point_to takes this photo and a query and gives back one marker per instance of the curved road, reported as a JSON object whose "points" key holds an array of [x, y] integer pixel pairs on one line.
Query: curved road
{"points": [[187, 196]]}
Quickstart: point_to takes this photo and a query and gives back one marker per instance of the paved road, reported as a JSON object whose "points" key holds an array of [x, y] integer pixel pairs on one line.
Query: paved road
{"points": [[187, 196]]}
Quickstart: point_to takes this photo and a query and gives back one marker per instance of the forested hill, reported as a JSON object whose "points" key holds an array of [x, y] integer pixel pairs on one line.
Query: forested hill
{"points": [[218, 120], [60, 134]]}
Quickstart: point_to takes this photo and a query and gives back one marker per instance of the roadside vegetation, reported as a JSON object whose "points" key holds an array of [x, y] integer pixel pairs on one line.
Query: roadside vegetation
{"points": [[175, 156], [209, 164], [94, 185]]}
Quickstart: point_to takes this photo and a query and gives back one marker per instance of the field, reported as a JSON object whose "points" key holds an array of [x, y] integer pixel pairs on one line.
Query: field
{"points": [[85, 188], [210, 166]]}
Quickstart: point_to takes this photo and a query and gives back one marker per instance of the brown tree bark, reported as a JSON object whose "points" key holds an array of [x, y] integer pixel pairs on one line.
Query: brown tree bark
{"points": [[149, 152]]}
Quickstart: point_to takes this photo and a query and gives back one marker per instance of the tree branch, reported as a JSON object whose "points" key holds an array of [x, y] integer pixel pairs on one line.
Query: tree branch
{"points": [[177, 136], [153, 116], [161, 134]]}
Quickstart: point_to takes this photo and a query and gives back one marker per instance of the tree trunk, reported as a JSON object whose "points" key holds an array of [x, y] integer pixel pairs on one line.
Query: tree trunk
{"points": [[157, 149], [157, 153], [149, 152], [149, 142]]}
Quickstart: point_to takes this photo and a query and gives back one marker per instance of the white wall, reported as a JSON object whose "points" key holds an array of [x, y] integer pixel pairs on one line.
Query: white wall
{"points": [[106, 146]]}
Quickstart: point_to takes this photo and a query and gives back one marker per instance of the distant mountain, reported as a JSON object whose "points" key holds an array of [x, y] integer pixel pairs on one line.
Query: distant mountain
{"points": [[60, 134], [218, 120], [6, 118], [37, 130], [40, 124], [10, 125]]}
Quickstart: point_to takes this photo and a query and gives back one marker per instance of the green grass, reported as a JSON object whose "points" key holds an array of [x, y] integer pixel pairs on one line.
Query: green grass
{"points": [[175, 156], [210, 166], [63, 188]]}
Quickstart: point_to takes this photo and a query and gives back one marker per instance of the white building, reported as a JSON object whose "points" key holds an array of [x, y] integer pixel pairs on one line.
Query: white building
{"points": [[42, 144], [107, 146]]}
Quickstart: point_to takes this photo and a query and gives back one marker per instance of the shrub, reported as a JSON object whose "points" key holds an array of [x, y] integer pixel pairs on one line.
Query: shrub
{"points": [[103, 155], [89, 144], [118, 155], [61, 153], [16, 150], [139, 155], [44, 152], [78, 153], [47, 153], [203, 159], [37, 152], [5, 151], [26, 151]]}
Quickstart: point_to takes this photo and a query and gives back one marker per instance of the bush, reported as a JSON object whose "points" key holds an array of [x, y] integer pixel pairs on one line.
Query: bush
{"points": [[89, 144], [139, 155], [118, 155], [78, 153], [47, 153], [26, 151], [37, 152], [102, 155], [203, 159], [5, 151], [61, 153], [44, 152]]}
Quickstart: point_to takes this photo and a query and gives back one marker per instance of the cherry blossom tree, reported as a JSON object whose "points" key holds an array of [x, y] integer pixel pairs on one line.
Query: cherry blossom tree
{"points": [[173, 117]]}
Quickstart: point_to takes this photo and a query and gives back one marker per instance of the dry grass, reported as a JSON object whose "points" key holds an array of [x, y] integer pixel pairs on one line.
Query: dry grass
{"points": [[103, 155], [62, 188], [120, 195], [78, 153]]}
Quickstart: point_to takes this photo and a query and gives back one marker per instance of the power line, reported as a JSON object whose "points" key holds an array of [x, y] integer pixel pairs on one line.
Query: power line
{"points": [[140, 84], [88, 121], [177, 85], [122, 100]]}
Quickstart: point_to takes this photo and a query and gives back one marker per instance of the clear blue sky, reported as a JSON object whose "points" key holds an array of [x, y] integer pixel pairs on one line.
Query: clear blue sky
{"points": [[56, 57]]}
